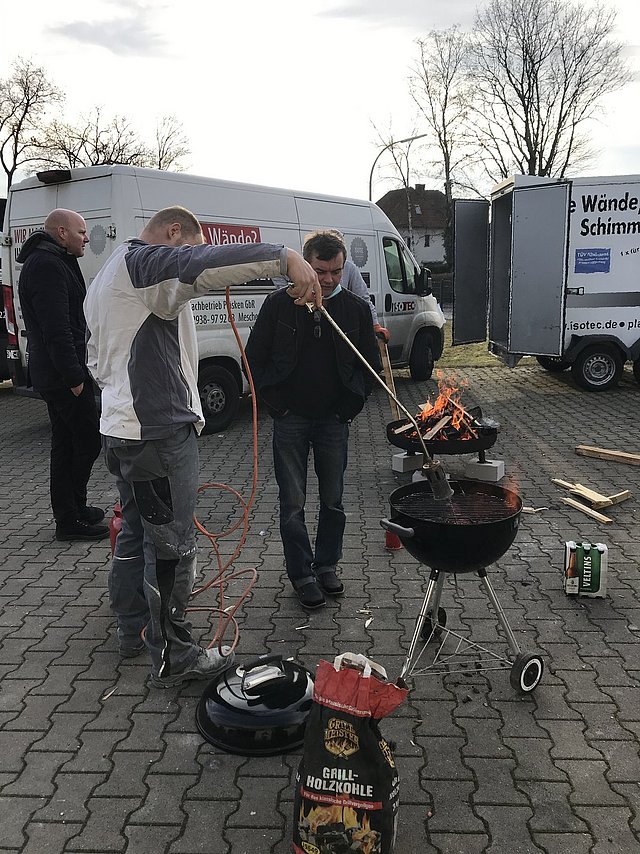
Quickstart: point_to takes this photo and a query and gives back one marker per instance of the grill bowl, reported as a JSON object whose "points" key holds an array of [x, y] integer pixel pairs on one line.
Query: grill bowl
{"points": [[486, 439], [469, 532]]}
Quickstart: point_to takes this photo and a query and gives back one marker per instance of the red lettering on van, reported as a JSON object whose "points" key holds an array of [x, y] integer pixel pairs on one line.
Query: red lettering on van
{"points": [[222, 234]]}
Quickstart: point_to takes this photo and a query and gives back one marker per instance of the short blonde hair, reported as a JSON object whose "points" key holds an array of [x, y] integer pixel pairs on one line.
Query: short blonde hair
{"points": [[187, 221]]}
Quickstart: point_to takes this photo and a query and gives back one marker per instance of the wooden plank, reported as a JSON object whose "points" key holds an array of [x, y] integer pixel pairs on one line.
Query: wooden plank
{"points": [[595, 499], [388, 375], [564, 483], [404, 429], [436, 428], [599, 517], [606, 454], [619, 496]]}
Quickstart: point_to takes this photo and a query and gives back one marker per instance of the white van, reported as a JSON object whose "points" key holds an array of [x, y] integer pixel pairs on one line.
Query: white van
{"points": [[117, 202]]}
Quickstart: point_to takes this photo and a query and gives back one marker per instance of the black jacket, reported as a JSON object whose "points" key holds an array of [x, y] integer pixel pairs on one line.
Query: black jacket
{"points": [[52, 291], [273, 347]]}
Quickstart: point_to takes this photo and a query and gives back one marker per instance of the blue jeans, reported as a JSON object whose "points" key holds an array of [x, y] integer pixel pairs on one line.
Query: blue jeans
{"points": [[154, 563], [293, 437]]}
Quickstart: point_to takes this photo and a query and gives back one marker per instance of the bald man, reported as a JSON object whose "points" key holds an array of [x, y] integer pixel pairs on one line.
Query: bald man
{"points": [[52, 291]]}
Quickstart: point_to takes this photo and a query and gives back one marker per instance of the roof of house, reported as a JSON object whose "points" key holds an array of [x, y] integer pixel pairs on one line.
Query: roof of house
{"points": [[428, 207]]}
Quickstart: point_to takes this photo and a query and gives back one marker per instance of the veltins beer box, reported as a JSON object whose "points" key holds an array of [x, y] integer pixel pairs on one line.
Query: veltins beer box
{"points": [[585, 569]]}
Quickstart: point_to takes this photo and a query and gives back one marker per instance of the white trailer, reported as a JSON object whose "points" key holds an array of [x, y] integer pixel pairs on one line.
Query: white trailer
{"points": [[117, 202], [554, 273]]}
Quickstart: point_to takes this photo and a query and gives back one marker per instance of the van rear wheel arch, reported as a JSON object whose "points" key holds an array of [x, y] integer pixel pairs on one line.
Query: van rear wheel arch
{"points": [[219, 387]]}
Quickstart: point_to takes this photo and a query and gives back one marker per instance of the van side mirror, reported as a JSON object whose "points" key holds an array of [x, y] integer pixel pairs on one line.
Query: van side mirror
{"points": [[423, 282]]}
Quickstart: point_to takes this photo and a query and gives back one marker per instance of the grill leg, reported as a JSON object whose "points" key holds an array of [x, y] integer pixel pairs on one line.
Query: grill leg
{"points": [[438, 595], [502, 617], [435, 584]]}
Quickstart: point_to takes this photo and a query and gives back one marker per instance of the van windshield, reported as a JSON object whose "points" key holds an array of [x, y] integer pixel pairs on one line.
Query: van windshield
{"points": [[400, 268]]}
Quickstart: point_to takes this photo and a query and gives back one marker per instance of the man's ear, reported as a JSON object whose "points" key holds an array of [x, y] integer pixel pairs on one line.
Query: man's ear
{"points": [[174, 232]]}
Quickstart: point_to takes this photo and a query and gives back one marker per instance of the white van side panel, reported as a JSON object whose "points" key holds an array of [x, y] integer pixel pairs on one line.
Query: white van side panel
{"points": [[118, 201]]}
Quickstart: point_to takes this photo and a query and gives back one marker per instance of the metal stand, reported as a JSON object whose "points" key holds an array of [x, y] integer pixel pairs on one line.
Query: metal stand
{"points": [[464, 655]]}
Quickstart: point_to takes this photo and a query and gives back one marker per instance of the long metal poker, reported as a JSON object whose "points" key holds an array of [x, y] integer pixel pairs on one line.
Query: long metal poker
{"points": [[432, 469]]}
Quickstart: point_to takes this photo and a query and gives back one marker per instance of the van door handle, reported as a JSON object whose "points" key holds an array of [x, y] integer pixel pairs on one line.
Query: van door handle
{"points": [[387, 302]]}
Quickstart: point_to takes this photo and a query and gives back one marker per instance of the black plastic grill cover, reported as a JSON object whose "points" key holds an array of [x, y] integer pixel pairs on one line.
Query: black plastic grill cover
{"points": [[257, 709]]}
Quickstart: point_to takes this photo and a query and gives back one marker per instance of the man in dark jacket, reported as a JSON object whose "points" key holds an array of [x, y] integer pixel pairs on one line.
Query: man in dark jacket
{"points": [[313, 385], [52, 291]]}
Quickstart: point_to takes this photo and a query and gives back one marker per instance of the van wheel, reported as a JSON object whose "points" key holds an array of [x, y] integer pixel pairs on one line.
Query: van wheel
{"points": [[219, 396], [421, 360], [552, 363], [598, 367]]}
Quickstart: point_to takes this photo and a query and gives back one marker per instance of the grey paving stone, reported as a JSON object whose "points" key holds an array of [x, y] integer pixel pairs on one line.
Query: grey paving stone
{"points": [[49, 837], [16, 813], [554, 771]]}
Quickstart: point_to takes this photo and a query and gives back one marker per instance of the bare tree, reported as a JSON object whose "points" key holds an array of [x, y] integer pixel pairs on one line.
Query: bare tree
{"points": [[171, 145], [399, 151], [440, 87], [25, 97], [94, 141], [540, 69]]}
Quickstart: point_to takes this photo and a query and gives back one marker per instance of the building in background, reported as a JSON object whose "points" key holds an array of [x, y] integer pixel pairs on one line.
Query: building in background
{"points": [[420, 217]]}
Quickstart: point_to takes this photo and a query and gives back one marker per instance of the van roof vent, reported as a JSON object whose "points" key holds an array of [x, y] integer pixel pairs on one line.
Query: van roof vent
{"points": [[54, 176]]}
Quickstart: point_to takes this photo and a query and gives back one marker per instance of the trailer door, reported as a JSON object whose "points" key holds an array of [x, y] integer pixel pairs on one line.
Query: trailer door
{"points": [[540, 222], [470, 280]]}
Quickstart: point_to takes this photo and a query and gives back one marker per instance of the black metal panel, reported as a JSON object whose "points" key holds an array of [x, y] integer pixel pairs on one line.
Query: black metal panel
{"points": [[540, 232], [470, 280]]}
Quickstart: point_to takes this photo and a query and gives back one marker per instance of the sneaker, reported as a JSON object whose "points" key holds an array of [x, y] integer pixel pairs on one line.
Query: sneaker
{"points": [[79, 530], [329, 581], [90, 515], [207, 665]]}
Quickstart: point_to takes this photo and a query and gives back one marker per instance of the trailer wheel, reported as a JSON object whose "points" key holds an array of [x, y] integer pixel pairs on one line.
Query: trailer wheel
{"points": [[219, 396], [598, 367], [636, 370], [421, 361], [552, 363]]}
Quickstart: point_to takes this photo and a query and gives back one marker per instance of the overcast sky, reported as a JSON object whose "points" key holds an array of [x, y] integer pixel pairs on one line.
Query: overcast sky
{"points": [[283, 93]]}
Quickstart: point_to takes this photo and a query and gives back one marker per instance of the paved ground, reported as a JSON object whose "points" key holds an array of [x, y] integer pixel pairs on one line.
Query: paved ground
{"points": [[94, 760]]}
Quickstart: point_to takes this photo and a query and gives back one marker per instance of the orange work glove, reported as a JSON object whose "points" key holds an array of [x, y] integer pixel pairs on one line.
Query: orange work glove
{"points": [[381, 332]]}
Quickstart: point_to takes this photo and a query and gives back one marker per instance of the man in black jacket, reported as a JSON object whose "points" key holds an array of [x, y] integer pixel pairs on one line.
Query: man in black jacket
{"points": [[313, 385], [52, 291]]}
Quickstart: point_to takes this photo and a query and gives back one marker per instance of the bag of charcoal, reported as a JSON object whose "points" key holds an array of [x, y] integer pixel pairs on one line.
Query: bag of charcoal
{"points": [[346, 794]]}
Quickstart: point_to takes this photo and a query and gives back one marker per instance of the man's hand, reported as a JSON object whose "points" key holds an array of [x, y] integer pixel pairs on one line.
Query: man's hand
{"points": [[305, 286], [381, 332], [77, 389]]}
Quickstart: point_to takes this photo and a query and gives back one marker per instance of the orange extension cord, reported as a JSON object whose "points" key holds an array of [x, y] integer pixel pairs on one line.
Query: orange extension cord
{"points": [[226, 615]]}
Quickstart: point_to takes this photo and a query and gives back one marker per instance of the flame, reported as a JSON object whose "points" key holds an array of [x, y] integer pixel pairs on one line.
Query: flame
{"points": [[512, 495], [448, 403]]}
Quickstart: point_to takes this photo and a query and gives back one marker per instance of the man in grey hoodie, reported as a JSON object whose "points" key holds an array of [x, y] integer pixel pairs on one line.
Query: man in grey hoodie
{"points": [[142, 352]]}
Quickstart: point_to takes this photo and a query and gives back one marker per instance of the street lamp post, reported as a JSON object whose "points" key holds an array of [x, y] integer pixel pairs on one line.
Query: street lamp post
{"points": [[382, 151]]}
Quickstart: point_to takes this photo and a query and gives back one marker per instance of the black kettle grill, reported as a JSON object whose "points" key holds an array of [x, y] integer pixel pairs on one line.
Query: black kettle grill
{"points": [[257, 709], [464, 534]]}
